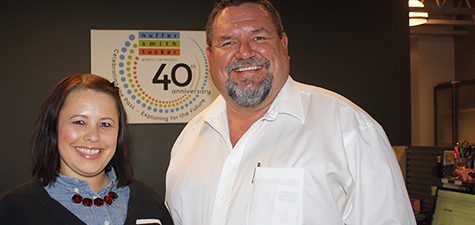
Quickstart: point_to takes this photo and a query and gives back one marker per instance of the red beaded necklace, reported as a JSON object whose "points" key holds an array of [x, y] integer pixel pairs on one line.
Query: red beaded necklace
{"points": [[109, 199]]}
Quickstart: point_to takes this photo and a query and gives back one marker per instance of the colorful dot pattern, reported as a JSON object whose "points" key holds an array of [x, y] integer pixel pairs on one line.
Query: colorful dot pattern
{"points": [[129, 62]]}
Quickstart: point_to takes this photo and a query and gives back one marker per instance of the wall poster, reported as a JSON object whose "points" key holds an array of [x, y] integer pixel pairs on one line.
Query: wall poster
{"points": [[163, 76]]}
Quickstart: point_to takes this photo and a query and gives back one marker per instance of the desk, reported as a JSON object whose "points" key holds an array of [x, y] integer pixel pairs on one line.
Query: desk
{"points": [[459, 184]]}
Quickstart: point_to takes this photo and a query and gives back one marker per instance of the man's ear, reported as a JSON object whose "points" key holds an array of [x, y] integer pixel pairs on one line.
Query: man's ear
{"points": [[285, 41], [208, 53]]}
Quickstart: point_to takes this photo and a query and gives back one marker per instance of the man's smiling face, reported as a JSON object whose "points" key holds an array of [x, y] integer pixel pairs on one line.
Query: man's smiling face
{"points": [[249, 63]]}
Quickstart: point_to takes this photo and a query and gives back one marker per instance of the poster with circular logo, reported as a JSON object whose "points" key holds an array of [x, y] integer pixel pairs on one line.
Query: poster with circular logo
{"points": [[163, 76]]}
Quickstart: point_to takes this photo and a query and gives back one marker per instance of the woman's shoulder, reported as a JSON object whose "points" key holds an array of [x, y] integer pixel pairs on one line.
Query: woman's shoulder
{"points": [[144, 192], [22, 191], [141, 186], [16, 200]]}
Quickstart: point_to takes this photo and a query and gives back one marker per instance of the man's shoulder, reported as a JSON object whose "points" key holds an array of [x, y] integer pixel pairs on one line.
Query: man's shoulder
{"points": [[319, 97], [317, 91], [213, 110]]}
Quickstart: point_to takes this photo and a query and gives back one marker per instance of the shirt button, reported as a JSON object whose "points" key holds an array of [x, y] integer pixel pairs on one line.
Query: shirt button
{"points": [[222, 198], [231, 164], [106, 222]]}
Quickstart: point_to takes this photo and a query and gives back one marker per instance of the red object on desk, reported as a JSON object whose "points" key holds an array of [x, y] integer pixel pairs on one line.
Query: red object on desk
{"points": [[467, 174]]}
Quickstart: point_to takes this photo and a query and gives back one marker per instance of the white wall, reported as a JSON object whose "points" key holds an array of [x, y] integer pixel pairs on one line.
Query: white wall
{"points": [[432, 62]]}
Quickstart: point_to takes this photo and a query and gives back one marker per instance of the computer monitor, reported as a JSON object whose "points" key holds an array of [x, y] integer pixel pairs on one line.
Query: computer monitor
{"points": [[453, 206]]}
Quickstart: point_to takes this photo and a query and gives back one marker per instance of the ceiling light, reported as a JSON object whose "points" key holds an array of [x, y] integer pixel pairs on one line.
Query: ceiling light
{"points": [[417, 18]]}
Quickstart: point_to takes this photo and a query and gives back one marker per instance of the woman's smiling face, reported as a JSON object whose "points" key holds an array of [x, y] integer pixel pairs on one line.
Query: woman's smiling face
{"points": [[88, 127]]}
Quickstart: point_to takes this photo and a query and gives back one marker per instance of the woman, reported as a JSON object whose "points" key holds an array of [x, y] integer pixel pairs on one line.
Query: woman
{"points": [[82, 172]]}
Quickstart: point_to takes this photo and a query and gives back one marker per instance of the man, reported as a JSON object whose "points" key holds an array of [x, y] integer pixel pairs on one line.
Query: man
{"points": [[270, 150]]}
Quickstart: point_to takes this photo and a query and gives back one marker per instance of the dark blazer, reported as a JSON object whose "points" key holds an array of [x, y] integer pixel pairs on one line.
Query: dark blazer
{"points": [[29, 203]]}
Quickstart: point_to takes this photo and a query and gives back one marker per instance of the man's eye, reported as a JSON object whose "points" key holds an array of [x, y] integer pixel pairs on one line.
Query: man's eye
{"points": [[259, 38], [79, 122], [228, 43]]}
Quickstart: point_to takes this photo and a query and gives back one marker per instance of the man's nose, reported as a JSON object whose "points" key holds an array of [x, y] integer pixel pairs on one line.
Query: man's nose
{"points": [[245, 50]]}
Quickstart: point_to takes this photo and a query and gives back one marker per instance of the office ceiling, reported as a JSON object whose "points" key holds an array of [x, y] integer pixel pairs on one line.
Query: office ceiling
{"points": [[451, 17]]}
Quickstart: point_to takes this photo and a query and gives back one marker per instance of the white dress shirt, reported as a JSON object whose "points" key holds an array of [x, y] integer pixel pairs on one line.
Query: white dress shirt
{"points": [[313, 158]]}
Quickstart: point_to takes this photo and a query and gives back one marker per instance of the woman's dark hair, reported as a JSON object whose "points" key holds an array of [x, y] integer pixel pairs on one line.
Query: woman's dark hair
{"points": [[226, 3], [45, 153]]}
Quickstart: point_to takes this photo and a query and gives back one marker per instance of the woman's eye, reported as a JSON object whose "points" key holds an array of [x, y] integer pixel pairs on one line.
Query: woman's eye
{"points": [[79, 122], [105, 125]]}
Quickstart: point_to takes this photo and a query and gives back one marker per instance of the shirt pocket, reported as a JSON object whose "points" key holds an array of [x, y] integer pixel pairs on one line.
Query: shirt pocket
{"points": [[276, 196]]}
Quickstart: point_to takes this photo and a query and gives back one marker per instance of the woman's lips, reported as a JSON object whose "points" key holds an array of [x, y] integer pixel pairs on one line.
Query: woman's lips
{"points": [[89, 153]]}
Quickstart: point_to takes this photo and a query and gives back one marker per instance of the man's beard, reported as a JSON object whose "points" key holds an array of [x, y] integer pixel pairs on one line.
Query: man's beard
{"points": [[249, 97]]}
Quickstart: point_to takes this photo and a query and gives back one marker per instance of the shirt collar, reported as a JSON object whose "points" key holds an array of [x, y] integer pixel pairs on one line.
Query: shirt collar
{"points": [[288, 101], [75, 184]]}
